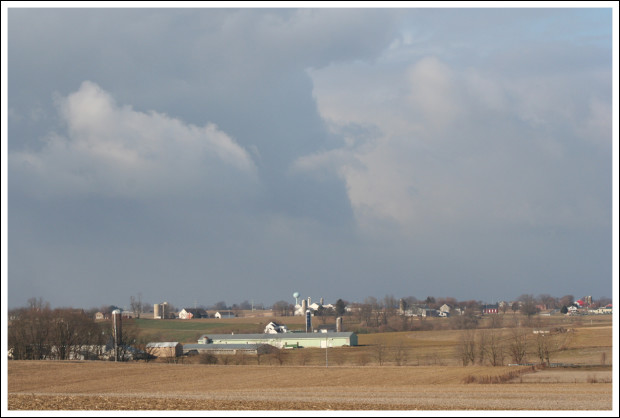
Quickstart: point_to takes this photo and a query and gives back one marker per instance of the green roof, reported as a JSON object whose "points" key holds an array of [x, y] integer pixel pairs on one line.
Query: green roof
{"points": [[283, 335]]}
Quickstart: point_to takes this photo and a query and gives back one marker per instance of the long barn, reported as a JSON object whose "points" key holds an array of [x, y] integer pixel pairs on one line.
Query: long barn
{"points": [[284, 340]]}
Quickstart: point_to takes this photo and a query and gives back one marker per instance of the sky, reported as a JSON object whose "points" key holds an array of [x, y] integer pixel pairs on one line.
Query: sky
{"points": [[197, 155]]}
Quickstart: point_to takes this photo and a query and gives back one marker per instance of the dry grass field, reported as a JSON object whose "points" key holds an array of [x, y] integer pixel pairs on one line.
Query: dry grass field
{"points": [[40, 385], [415, 370]]}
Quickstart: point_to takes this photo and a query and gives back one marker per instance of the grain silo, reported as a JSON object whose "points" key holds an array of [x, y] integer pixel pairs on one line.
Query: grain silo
{"points": [[339, 324], [156, 313], [308, 321], [165, 310], [118, 331]]}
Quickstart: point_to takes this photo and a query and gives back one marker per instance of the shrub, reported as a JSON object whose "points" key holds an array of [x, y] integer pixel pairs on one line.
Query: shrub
{"points": [[207, 358]]}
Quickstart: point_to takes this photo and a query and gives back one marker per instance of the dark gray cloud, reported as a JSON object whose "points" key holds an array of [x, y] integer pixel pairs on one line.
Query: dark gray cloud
{"points": [[233, 154]]}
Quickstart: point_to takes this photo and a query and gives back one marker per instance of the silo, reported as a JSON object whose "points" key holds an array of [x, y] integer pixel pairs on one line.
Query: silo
{"points": [[308, 321], [156, 314], [339, 324], [321, 301], [165, 310], [118, 331], [304, 305]]}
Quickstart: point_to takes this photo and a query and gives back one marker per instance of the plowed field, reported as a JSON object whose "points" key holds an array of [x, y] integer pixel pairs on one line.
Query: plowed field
{"points": [[47, 385]]}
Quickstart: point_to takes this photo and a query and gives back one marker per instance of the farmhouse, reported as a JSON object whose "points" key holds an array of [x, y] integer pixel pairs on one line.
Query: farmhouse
{"points": [[444, 310], [288, 339], [99, 316], [165, 349], [275, 328], [190, 313]]}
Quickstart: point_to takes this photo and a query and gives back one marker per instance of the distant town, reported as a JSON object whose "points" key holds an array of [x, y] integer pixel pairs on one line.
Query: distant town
{"points": [[368, 310], [38, 332]]}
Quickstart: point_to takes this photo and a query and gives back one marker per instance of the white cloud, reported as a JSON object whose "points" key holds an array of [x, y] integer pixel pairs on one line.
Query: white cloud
{"points": [[119, 151], [464, 146]]}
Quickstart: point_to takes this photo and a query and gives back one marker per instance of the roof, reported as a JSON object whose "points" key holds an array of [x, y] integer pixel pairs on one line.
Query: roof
{"points": [[285, 335], [163, 344], [222, 346], [196, 311]]}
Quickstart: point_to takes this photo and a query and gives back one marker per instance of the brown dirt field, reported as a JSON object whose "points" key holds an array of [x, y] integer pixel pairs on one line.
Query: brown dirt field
{"points": [[47, 385]]}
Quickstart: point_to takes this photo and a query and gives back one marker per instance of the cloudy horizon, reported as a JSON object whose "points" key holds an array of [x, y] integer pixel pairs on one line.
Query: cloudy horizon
{"points": [[205, 155]]}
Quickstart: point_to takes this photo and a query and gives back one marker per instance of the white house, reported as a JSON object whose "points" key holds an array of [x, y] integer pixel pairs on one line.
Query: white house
{"points": [[444, 310], [275, 328], [314, 307], [189, 313]]}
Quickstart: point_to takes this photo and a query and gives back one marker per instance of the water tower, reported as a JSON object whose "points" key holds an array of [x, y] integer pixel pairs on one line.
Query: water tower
{"points": [[296, 296]]}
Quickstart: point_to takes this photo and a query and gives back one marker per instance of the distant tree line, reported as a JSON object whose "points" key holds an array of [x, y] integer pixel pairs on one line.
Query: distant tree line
{"points": [[37, 332]]}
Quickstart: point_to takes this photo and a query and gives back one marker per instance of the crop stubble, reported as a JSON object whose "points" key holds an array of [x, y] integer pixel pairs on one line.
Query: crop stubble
{"points": [[114, 386]]}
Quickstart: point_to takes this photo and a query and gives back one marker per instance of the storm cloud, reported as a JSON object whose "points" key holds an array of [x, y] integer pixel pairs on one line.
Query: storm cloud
{"points": [[200, 155]]}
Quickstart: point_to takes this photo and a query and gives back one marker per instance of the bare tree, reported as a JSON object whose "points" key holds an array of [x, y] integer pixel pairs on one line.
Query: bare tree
{"points": [[68, 332], [37, 332], [372, 311], [504, 308], [495, 349], [38, 304], [482, 347], [365, 311], [549, 301], [136, 305], [380, 352], [528, 306], [400, 354], [279, 355], [28, 333], [518, 345], [390, 308], [466, 321], [281, 308], [466, 349], [220, 306], [567, 300], [543, 348], [496, 321]]}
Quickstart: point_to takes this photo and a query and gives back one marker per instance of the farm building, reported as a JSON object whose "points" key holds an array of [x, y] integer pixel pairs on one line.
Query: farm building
{"points": [[227, 348], [490, 309], [193, 313], [275, 328], [99, 316], [287, 339], [224, 314], [162, 311], [165, 349]]}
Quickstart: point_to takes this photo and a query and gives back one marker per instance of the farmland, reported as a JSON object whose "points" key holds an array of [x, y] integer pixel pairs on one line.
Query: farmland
{"points": [[412, 370], [99, 385]]}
